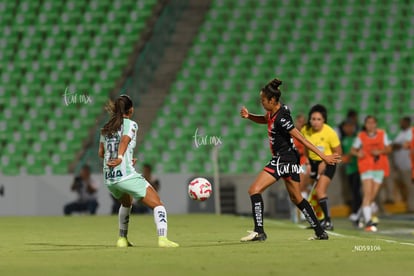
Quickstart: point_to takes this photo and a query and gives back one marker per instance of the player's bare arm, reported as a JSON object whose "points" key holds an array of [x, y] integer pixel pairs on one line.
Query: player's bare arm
{"points": [[329, 159], [260, 119], [386, 150], [125, 139], [357, 152], [101, 150]]}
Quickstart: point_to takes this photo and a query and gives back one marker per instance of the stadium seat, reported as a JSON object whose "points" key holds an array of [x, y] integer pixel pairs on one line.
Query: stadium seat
{"points": [[68, 45], [334, 60]]}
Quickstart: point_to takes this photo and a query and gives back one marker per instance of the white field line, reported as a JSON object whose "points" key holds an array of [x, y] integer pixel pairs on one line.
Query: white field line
{"points": [[274, 222]]}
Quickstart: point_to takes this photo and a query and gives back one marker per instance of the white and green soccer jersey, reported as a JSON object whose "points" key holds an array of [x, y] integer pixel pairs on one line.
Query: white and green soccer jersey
{"points": [[125, 170]]}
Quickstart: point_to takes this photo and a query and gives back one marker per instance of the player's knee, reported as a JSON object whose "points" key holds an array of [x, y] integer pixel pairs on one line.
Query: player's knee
{"points": [[253, 190], [126, 204]]}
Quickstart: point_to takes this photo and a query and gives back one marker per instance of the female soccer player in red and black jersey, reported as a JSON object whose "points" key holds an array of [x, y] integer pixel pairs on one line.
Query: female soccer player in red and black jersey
{"points": [[284, 163]]}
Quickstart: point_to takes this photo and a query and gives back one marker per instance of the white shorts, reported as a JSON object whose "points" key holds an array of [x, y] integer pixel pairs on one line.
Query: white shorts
{"points": [[376, 176]]}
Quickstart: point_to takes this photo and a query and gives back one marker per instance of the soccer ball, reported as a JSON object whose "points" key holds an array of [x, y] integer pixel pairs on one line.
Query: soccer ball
{"points": [[199, 189]]}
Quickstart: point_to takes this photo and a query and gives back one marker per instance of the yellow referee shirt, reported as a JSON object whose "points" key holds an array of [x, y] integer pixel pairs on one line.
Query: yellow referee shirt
{"points": [[325, 140]]}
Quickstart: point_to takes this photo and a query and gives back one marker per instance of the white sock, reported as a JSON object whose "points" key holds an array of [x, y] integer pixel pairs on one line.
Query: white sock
{"points": [[160, 219], [123, 218], [374, 207], [366, 210]]}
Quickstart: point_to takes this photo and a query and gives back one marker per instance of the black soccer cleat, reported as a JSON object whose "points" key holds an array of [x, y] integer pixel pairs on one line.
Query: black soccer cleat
{"points": [[323, 236], [327, 225]]}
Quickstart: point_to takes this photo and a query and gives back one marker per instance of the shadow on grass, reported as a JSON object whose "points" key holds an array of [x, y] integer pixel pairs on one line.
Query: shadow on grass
{"points": [[44, 247], [216, 244], [66, 247]]}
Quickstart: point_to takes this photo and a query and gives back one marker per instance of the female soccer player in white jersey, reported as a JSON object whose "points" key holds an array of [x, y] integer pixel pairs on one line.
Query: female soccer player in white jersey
{"points": [[117, 142]]}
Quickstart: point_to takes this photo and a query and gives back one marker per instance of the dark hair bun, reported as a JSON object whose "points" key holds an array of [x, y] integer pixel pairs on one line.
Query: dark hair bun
{"points": [[126, 96], [274, 84], [271, 89]]}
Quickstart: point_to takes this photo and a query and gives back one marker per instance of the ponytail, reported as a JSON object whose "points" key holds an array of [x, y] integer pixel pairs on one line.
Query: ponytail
{"points": [[116, 110]]}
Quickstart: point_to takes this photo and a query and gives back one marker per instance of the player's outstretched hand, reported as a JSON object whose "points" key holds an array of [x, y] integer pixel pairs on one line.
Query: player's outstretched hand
{"points": [[244, 113], [333, 159]]}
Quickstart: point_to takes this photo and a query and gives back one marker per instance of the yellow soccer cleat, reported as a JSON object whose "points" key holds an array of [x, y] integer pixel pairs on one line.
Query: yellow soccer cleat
{"points": [[123, 242], [164, 242]]}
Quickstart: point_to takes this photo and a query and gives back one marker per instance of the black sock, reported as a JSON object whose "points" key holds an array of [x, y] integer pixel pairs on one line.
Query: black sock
{"points": [[257, 210], [323, 202], [310, 216], [123, 233]]}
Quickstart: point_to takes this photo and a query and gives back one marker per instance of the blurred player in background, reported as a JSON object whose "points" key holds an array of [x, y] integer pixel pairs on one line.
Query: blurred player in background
{"points": [[351, 169], [86, 188], [147, 174], [284, 163], [351, 117], [117, 142], [300, 121], [305, 180], [402, 163], [371, 147], [326, 140]]}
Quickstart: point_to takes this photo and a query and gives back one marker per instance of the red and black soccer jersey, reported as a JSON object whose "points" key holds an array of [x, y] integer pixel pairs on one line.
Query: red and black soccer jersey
{"points": [[278, 127]]}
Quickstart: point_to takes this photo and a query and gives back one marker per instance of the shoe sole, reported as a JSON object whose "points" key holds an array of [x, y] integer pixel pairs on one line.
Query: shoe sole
{"points": [[253, 240], [318, 239], [257, 238], [168, 246]]}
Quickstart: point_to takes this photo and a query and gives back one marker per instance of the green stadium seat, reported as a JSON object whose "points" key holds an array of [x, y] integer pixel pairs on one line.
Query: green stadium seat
{"points": [[59, 169], [10, 169], [55, 39], [331, 65]]}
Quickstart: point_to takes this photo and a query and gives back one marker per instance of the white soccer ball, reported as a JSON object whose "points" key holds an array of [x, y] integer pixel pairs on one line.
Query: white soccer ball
{"points": [[200, 189]]}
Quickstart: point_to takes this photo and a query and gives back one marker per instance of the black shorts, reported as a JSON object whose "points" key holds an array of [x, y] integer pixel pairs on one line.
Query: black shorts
{"points": [[329, 170], [286, 167]]}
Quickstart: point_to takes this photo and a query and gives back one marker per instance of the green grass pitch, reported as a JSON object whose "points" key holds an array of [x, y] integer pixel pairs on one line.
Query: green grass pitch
{"points": [[209, 245]]}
